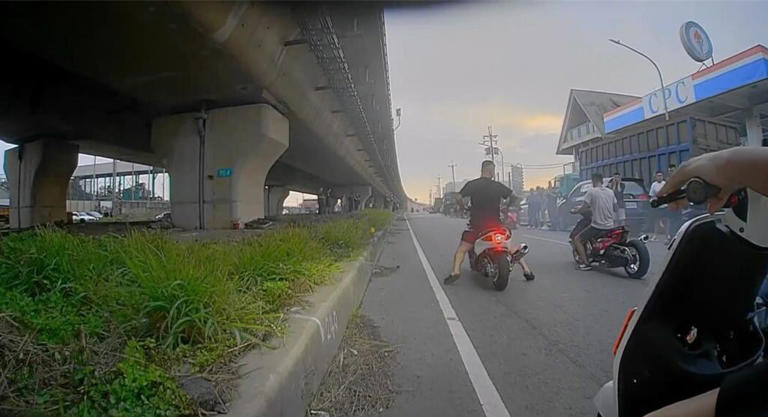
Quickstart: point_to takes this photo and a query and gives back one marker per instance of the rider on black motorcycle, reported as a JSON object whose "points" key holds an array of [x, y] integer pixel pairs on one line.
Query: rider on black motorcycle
{"points": [[602, 202], [486, 196]]}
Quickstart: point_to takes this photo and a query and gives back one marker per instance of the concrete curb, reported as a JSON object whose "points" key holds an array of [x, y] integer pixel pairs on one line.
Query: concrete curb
{"points": [[281, 382]]}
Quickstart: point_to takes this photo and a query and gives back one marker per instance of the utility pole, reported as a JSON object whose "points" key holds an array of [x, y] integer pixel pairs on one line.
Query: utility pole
{"points": [[94, 190], [114, 187], [453, 174], [490, 142], [439, 188]]}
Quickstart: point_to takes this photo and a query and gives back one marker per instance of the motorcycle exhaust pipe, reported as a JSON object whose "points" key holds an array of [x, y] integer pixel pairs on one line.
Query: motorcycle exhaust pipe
{"points": [[519, 253], [644, 238]]}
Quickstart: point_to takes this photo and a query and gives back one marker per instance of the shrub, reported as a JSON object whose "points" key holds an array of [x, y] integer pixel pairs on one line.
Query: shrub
{"points": [[72, 293]]}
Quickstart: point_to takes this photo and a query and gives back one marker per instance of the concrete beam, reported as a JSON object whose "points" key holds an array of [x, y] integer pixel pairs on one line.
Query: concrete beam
{"points": [[240, 145], [38, 178]]}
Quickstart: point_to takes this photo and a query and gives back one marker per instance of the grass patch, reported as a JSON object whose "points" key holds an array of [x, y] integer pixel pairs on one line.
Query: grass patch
{"points": [[99, 325]]}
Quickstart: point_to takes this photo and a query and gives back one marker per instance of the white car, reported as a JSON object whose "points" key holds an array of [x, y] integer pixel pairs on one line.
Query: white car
{"points": [[95, 214], [82, 217]]}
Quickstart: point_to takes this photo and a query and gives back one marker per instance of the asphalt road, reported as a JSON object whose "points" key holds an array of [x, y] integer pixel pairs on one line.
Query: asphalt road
{"points": [[545, 344]]}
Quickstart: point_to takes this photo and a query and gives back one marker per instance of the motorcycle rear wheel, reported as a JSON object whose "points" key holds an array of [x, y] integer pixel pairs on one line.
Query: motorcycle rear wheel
{"points": [[639, 267], [501, 280]]}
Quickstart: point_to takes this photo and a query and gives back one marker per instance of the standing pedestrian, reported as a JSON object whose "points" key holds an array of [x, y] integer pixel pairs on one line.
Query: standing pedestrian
{"points": [[617, 186], [554, 223], [532, 204], [655, 216], [542, 206]]}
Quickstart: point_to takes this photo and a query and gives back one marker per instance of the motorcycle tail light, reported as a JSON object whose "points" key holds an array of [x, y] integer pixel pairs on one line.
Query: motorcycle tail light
{"points": [[630, 313], [498, 238], [643, 197]]}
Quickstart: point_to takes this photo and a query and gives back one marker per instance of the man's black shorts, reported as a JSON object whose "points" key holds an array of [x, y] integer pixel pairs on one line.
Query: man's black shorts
{"points": [[590, 233], [469, 236]]}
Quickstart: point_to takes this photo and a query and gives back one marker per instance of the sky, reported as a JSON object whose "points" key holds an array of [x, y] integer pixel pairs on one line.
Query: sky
{"points": [[455, 69]]}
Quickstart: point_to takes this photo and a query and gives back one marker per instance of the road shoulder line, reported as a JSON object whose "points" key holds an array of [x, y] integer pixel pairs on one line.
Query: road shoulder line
{"points": [[489, 397]]}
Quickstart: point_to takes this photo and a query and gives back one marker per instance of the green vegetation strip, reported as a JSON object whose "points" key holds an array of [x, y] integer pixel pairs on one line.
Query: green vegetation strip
{"points": [[97, 326]]}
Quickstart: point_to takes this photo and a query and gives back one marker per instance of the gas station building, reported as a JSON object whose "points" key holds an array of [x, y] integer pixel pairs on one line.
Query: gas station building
{"points": [[720, 106]]}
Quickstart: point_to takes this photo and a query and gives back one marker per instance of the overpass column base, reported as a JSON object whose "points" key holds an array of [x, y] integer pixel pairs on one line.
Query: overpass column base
{"points": [[353, 197], [38, 176], [241, 145], [275, 198]]}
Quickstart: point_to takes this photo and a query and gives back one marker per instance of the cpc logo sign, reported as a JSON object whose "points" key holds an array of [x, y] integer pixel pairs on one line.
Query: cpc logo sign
{"points": [[676, 95], [696, 41]]}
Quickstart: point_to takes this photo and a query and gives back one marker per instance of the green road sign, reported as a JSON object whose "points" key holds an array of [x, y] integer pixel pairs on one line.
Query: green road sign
{"points": [[224, 172]]}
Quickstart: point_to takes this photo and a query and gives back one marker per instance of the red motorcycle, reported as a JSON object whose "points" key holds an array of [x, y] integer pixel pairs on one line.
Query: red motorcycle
{"points": [[612, 249]]}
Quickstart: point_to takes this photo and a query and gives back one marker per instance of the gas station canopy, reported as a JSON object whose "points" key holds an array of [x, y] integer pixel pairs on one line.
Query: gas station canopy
{"points": [[734, 91]]}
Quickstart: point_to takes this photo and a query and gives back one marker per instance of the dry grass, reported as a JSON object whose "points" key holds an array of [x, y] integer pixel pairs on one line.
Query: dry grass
{"points": [[359, 381]]}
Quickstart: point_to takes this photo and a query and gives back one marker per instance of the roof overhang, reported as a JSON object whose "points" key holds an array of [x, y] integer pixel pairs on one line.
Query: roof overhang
{"points": [[725, 91]]}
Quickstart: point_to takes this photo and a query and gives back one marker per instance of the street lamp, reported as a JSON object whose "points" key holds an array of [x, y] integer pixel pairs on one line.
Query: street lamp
{"points": [[661, 79]]}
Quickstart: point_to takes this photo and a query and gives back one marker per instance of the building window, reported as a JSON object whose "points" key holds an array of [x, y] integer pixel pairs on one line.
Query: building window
{"points": [[652, 143], [643, 141], [672, 135], [625, 145], [673, 158], [662, 137], [682, 132], [644, 170], [627, 169], [634, 143]]}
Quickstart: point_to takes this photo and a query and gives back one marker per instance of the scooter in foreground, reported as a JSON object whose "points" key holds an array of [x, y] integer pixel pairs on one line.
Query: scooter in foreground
{"points": [[613, 249], [494, 256], [699, 322]]}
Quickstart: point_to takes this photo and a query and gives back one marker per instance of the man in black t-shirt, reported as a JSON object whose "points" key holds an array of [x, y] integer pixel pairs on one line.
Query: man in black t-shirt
{"points": [[486, 196]]}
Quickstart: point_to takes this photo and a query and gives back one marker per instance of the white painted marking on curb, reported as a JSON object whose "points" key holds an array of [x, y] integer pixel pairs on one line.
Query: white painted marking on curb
{"points": [[316, 320], [548, 240], [486, 392]]}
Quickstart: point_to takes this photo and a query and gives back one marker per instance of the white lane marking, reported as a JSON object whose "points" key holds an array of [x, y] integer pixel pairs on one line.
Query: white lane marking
{"points": [[486, 392], [548, 240]]}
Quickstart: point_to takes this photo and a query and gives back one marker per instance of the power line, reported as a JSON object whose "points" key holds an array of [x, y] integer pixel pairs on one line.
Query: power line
{"points": [[544, 165]]}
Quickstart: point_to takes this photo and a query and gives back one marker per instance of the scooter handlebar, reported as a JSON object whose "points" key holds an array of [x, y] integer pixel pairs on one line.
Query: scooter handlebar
{"points": [[696, 190]]}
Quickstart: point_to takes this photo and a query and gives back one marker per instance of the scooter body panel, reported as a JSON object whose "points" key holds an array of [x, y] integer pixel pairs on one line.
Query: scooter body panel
{"points": [[654, 366]]}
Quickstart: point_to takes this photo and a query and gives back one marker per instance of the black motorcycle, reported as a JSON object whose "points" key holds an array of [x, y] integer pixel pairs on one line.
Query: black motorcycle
{"points": [[612, 249]]}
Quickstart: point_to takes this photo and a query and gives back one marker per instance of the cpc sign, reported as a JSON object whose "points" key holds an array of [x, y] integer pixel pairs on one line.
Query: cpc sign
{"points": [[676, 95]]}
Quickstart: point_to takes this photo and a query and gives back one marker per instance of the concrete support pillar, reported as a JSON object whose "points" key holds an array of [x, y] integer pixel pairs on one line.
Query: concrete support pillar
{"points": [[754, 128], [369, 202], [38, 176], [275, 198], [353, 197], [218, 163]]}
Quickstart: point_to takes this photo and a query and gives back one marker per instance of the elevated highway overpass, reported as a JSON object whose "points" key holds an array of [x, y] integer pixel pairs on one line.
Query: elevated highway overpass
{"points": [[240, 102]]}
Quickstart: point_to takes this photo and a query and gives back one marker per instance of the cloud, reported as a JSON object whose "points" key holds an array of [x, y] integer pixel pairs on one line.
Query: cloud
{"points": [[500, 115]]}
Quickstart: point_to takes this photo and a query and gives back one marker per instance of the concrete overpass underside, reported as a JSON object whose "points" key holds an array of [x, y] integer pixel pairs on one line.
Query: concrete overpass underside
{"points": [[287, 96]]}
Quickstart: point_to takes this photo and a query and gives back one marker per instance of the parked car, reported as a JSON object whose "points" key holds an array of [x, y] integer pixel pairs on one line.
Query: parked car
{"points": [[95, 214], [166, 215], [83, 217], [636, 200]]}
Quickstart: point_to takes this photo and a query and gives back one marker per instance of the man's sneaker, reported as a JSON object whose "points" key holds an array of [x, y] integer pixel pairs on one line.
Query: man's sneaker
{"points": [[584, 267], [450, 279]]}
